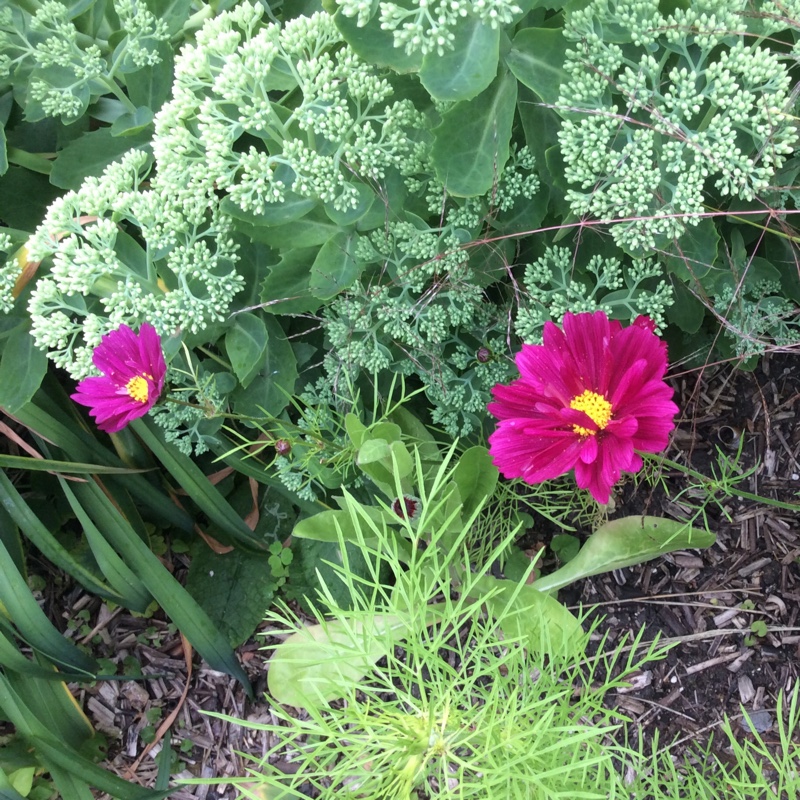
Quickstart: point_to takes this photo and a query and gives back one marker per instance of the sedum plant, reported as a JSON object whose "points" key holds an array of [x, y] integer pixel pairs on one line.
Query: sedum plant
{"points": [[660, 109]]}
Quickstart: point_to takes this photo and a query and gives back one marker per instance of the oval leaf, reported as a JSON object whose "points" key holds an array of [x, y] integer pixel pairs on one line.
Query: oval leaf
{"points": [[472, 143], [467, 69]]}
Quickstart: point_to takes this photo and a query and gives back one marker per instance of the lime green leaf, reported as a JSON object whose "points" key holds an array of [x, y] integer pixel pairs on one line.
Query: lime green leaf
{"points": [[623, 543], [476, 477], [537, 619], [235, 590], [537, 58], [335, 267], [472, 143], [327, 526], [323, 662], [467, 69], [17, 386], [246, 343]]}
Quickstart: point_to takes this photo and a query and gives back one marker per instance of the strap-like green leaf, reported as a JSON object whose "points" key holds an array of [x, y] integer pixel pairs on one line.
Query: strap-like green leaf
{"points": [[68, 467], [170, 595], [194, 482], [33, 625], [49, 546], [83, 447], [133, 593]]}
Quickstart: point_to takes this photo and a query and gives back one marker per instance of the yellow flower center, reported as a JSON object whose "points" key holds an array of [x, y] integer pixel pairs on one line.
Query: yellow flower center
{"points": [[137, 389], [596, 407]]}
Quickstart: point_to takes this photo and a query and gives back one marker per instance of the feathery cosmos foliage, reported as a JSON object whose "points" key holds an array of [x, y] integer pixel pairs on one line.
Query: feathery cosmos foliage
{"points": [[133, 377], [587, 399]]}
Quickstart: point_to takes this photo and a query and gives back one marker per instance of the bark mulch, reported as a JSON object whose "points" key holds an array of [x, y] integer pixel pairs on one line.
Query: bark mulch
{"points": [[733, 609]]}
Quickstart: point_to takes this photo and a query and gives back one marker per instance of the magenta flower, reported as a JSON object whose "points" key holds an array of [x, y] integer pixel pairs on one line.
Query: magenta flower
{"points": [[133, 376], [586, 399]]}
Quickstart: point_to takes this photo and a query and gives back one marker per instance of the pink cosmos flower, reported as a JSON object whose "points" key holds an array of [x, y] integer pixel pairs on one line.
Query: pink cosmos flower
{"points": [[586, 399], [133, 376]]}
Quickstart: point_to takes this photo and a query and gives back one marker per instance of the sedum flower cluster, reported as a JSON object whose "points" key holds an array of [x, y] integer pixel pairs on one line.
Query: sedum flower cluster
{"points": [[646, 138], [270, 115], [57, 70], [426, 26], [101, 277], [555, 286], [261, 117]]}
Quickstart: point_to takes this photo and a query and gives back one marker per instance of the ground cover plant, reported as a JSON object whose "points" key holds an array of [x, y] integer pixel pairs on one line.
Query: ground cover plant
{"points": [[344, 300]]}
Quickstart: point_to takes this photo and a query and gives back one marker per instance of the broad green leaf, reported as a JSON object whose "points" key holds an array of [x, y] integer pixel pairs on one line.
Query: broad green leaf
{"points": [[91, 154], [692, 256], [33, 625], [286, 289], [177, 603], [418, 434], [687, 311], [273, 387], [292, 208], [194, 482], [356, 429], [472, 143], [537, 60], [376, 45], [246, 344], [335, 268], [623, 543], [476, 477], [467, 69], [366, 197], [537, 619], [24, 197], [235, 590], [323, 662], [150, 85], [17, 386], [133, 123], [311, 230]]}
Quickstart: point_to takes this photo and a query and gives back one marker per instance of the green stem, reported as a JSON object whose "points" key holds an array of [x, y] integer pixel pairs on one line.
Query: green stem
{"points": [[731, 490]]}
